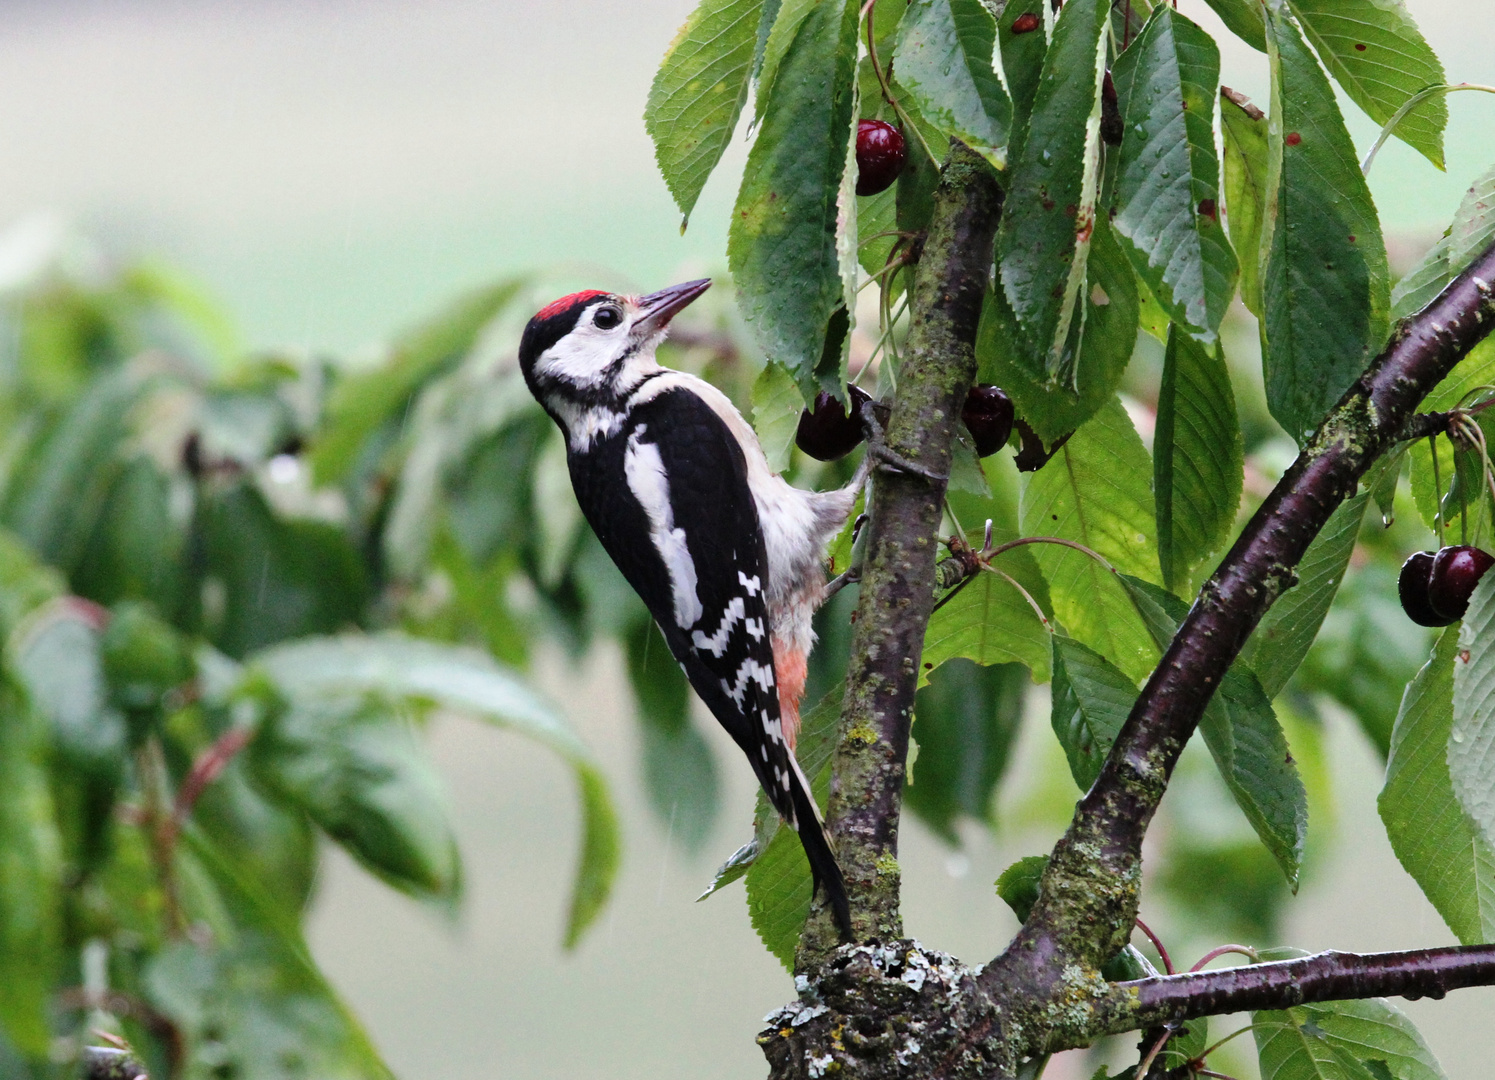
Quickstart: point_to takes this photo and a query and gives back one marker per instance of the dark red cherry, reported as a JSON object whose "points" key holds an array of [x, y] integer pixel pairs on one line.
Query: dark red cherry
{"points": [[1112, 127], [881, 153], [1456, 571], [1412, 587], [988, 417], [828, 431]]}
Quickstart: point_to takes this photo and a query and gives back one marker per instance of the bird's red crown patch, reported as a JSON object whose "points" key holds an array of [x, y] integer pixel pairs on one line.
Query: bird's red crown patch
{"points": [[565, 303]]}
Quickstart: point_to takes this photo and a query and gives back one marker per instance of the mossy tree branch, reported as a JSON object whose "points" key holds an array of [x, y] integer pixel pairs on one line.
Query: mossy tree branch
{"points": [[939, 365]]}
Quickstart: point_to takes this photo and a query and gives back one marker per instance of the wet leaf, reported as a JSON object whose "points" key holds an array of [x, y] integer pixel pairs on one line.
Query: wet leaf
{"points": [[698, 94], [1430, 832]]}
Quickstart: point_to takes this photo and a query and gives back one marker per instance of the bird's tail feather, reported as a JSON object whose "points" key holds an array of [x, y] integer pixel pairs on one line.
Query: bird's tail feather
{"points": [[824, 869]]}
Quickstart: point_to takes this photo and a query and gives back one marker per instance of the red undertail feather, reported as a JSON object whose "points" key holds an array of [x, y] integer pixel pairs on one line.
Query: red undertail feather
{"points": [[790, 668]]}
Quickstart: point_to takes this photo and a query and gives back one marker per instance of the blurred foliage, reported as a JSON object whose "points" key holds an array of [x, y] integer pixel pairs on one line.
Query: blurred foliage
{"points": [[232, 590]]}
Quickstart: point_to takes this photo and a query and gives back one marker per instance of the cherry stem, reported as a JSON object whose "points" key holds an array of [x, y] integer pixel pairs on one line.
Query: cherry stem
{"points": [[1243, 950], [1407, 106], [1026, 595], [1020, 541], [208, 766], [868, 10], [1212, 1048], [1157, 944]]}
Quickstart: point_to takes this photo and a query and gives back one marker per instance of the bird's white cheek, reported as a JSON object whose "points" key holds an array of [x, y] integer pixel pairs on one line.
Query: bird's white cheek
{"points": [[580, 360]]}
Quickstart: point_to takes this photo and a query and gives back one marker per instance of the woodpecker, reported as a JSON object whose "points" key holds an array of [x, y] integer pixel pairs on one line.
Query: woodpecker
{"points": [[728, 556]]}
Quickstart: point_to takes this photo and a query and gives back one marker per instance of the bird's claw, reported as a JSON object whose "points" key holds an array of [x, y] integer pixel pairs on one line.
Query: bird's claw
{"points": [[889, 460], [892, 461]]}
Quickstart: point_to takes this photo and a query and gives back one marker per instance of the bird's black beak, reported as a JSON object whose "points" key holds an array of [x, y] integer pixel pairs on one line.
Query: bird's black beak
{"points": [[660, 307]]}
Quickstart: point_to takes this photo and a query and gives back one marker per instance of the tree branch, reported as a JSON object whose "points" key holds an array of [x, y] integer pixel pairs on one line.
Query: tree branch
{"points": [[1325, 976], [938, 367], [1088, 895], [896, 1009]]}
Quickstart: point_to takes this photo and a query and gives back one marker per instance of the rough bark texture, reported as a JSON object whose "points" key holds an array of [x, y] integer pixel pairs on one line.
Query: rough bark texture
{"points": [[939, 365], [1326, 976]]}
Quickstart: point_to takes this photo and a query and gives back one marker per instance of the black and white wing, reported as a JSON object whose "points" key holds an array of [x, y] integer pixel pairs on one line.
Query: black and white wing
{"points": [[673, 508]]}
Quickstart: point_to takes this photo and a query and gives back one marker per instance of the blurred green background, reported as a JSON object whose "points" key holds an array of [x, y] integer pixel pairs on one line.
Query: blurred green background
{"points": [[335, 170]]}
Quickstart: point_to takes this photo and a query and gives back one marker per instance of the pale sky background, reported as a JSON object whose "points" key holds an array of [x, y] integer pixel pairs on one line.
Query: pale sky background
{"points": [[334, 170]]}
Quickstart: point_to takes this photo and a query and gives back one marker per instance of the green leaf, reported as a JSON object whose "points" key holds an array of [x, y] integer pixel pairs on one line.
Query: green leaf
{"points": [[1286, 632], [1339, 1041], [779, 886], [782, 244], [1471, 742], [1188, 1045], [1431, 834], [145, 659], [279, 578], [777, 30], [777, 405], [1382, 480], [1090, 702], [1243, 735], [779, 891], [1375, 51], [1422, 284], [31, 879], [136, 548], [1018, 885], [274, 843], [1246, 189], [1473, 225], [989, 622], [361, 404], [258, 1001], [1167, 182], [25, 583], [58, 658], [1104, 346], [57, 489], [356, 766], [1043, 242], [698, 94], [1366, 652], [965, 721], [1470, 232], [468, 681], [1022, 61], [944, 61], [679, 771], [1097, 491], [1242, 18], [1325, 283], [1197, 458]]}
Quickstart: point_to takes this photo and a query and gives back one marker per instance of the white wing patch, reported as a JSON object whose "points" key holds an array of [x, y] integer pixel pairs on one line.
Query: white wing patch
{"points": [[716, 644], [644, 471], [762, 674]]}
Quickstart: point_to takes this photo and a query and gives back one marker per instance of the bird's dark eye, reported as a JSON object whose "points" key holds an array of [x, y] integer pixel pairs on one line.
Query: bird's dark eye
{"points": [[607, 318]]}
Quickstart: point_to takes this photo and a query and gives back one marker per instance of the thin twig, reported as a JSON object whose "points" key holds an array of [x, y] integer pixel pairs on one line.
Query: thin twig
{"points": [[1157, 943], [1243, 950]]}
